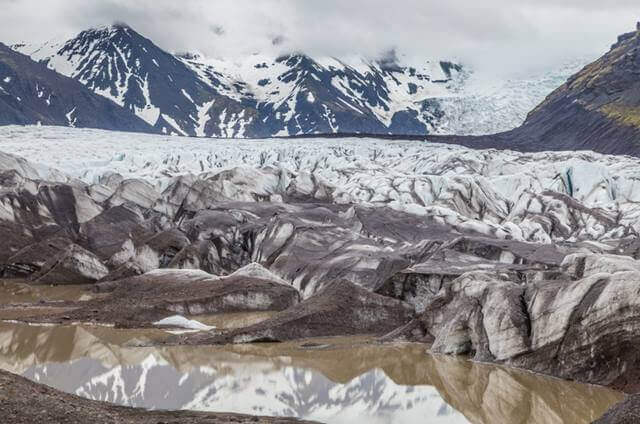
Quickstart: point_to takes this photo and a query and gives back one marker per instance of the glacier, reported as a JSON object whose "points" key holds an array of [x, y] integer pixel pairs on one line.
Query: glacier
{"points": [[535, 197]]}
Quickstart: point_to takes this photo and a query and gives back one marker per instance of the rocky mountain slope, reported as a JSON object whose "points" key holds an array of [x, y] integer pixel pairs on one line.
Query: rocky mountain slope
{"points": [[596, 109], [31, 94], [263, 96]]}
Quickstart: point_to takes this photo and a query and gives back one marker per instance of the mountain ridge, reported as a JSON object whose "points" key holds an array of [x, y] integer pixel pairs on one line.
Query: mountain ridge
{"points": [[291, 95], [32, 94]]}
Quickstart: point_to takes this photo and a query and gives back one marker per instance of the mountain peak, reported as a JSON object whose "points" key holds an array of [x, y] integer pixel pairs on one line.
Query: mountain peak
{"points": [[627, 36], [120, 25], [116, 29], [263, 95]]}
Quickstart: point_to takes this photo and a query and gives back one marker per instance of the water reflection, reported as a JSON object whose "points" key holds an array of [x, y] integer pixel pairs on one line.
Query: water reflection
{"points": [[345, 383]]}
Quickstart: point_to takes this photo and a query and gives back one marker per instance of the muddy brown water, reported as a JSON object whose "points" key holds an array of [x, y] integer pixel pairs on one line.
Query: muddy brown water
{"points": [[16, 291], [339, 380]]}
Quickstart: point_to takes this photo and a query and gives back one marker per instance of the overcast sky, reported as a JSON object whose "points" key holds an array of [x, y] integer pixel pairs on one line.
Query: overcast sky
{"points": [[502, 34]]}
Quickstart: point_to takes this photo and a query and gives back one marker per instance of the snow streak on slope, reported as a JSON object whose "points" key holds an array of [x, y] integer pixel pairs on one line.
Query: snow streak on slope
{"points": [[533, 197]]}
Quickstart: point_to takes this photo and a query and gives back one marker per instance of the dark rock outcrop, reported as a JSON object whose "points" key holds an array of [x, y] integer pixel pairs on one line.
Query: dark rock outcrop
{"points": [[596, 109], [626, 412]]}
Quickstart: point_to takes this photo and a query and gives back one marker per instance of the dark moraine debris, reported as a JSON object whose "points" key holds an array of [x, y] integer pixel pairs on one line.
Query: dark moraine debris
{"points": [[107, 232], [33, 257], [145, 254], [25, 402], [626, 412], [142, 300], [340, 309], [509, 251], [73, 265], [523, 262]]}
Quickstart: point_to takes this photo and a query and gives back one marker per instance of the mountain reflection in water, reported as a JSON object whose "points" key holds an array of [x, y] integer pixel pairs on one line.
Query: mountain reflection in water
{"points": [[350, 381]]}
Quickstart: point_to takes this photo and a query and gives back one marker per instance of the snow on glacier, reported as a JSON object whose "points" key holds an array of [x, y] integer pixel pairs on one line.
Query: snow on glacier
{"points": [[489, 191]]}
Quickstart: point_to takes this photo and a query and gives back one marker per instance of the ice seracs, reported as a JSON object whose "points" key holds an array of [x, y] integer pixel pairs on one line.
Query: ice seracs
{"points": [[539, 197]]}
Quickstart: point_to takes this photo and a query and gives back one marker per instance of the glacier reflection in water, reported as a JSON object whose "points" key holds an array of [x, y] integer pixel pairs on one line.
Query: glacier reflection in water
{"points": [[347, 382]]}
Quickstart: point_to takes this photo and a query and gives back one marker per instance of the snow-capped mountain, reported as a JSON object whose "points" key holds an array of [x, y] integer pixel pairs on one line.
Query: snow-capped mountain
{"points": [[31, 94], [263, 96], [118, 63]]}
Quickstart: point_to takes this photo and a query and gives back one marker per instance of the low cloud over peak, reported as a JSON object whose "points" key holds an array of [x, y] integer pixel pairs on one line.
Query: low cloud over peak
{"points": [[496, 34]]}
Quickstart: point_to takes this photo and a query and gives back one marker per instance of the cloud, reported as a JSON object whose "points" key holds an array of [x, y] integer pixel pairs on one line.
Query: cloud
{"points": [[496, 34]]}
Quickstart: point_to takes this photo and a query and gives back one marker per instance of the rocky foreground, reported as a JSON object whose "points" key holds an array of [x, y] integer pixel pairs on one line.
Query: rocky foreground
{"points": [[546, 281], [627, 412], [24, 402]]}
